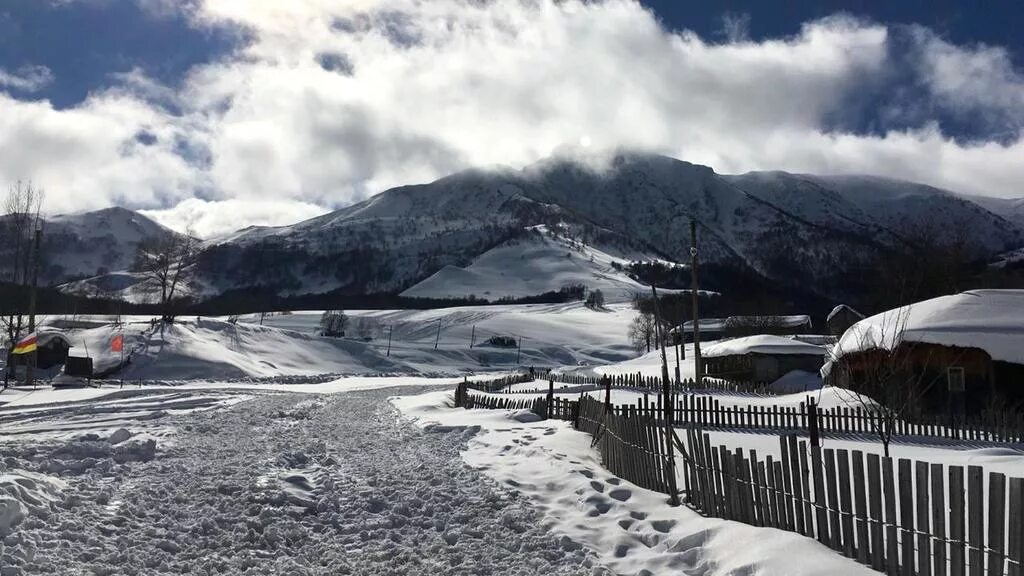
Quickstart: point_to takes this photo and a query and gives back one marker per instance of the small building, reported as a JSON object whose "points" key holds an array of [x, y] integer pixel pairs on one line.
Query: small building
{"points": [[737, 326], [51, 353], [957, 354], [761, 358], [841, 318]]}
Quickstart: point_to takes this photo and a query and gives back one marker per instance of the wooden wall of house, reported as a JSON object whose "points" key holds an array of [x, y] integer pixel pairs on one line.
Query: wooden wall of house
{"points": [[926, 366]]}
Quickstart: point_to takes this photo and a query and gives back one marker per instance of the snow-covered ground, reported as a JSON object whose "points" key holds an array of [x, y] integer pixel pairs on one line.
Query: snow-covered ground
{"points": [[254, 449], [632, 530], [537, 263], [289, 345], [275, 484]]}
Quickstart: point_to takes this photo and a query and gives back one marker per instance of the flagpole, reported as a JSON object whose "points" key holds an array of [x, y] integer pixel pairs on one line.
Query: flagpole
{"points": [[121, 370]]}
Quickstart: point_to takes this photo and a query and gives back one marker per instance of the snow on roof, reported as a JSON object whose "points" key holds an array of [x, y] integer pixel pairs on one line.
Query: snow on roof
{"points": [[761, 344], [992, 320], [719, 324], [839, 309]]}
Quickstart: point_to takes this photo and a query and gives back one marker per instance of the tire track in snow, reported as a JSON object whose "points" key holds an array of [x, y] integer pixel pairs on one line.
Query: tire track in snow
{"points": [[289, 484]]}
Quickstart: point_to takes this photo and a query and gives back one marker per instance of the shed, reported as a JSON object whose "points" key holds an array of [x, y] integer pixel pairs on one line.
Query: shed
{"points": [[50, 355], [736, 326], [961, 353], [761, 358], [841, 318]]}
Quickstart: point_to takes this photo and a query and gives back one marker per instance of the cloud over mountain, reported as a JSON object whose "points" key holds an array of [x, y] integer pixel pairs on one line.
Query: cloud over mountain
{"points": [[330, 102]]}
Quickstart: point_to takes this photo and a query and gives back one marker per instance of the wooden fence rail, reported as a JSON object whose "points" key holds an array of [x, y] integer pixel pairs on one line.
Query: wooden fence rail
{"points": [[901, 517], [709, 412]]}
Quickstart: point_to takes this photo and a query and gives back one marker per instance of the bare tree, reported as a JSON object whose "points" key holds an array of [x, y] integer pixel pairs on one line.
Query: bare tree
{"points": [[365, 328], [22, 217], [167, 262], [642, 332], [333, 323]]}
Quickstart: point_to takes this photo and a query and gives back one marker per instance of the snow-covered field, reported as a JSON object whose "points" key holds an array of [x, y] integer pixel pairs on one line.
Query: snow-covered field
{"points": [[276, 483], [234, 448], [552, 335]]}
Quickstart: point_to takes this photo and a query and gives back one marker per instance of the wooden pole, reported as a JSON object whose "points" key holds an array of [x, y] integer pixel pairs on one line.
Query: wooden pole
{"points": [[699, 369], [30, 365], [666, 390], [438, 337], [519, 349], [391, 328], [472, 337]]}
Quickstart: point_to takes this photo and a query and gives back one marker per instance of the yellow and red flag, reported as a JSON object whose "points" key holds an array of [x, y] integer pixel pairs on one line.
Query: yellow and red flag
{"points": [[26, 345], [117, 344]]}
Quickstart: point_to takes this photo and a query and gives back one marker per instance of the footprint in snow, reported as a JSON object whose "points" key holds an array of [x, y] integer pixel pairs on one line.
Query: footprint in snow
{"points": [[621, 494], [663, 526], [586, 473], [597, 486]]}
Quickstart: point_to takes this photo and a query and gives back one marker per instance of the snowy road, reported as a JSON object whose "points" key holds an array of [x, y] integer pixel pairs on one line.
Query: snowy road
{"points": [[280, 484]]}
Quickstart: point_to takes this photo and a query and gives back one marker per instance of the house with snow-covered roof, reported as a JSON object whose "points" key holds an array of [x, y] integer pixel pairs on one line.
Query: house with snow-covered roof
{"points": [[841, 318], [958, 353], [736, 326], [760, 358]]}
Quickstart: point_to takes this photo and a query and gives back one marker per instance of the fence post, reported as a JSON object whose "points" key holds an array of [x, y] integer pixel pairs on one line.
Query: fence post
{"points": [[607, 394], [812, 422], [551, 397]]}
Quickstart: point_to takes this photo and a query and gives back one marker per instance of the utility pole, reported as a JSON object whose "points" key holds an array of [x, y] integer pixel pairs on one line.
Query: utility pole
{"points": [[678, 346], [519, 349], [665, 361], [666, 390], [698, 368], [472, 337], [391, 328], [438, 337], [32, 301]]}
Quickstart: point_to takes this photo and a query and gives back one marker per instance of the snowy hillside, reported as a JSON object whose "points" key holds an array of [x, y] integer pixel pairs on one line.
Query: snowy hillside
{"points": [[1010, 208], [289, 345], [89, 243], [537, 263], [463, 230]]}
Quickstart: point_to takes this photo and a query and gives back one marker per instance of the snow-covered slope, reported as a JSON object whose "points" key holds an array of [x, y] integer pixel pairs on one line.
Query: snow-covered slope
{"points": [[93, 243], [1010, 208], [541, 261], [288, 345]]}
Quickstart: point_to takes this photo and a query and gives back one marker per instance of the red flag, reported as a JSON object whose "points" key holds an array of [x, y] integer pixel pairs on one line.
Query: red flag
{"points": [[117, 344]]}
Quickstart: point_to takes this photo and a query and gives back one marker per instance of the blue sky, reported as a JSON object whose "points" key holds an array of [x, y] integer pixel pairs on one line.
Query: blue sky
{"points": [[221, 114]]}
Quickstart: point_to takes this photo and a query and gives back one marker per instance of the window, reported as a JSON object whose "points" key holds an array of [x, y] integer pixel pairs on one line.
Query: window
{"points": [[955, 379]]}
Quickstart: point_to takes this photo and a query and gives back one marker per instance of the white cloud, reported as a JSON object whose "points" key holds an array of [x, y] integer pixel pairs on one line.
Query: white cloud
{"points": [[211, 219], [978, 79], [110, 150], [417, 89], [26, 78]]}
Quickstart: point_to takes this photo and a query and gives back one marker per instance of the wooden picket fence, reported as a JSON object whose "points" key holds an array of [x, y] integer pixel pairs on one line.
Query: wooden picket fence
{"points": [[498, 384], [902, 517], [640, 382], [630, 445], [708, 412], [898, 517]]}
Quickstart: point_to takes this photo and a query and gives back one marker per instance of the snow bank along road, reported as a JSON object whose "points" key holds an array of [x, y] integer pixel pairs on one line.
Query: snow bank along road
{"points": [[275, 484]]}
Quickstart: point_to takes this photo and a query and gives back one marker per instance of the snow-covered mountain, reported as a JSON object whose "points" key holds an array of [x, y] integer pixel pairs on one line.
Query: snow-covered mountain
{"points": [[1010, 208], [544, 260], [478, 229], [88, 244]]}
